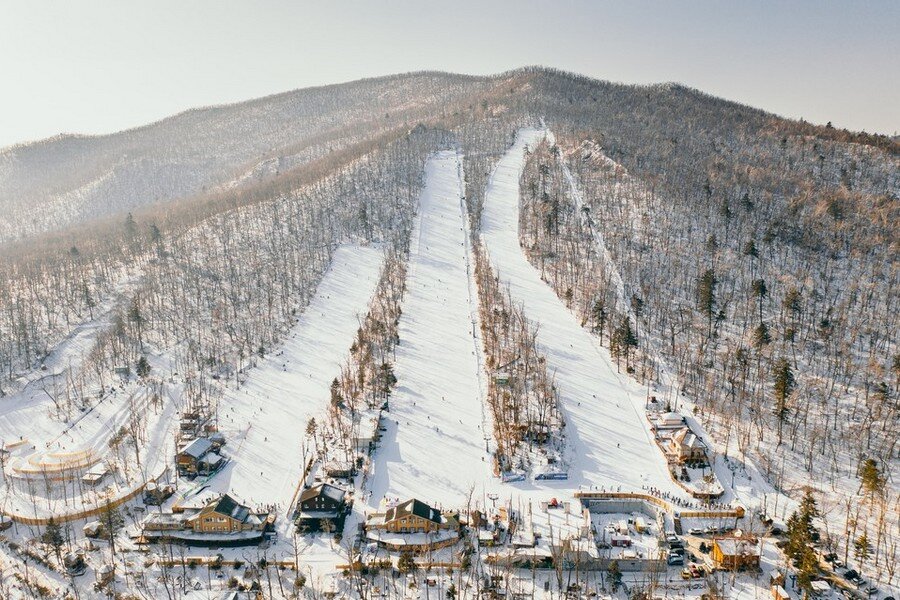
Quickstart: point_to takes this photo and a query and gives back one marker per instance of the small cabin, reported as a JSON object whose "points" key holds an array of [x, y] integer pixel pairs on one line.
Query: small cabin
{"points": [[670, 420], [736, 553], [92, 529], [155, 494], [339, 469], [188, 461], [95, 475]]}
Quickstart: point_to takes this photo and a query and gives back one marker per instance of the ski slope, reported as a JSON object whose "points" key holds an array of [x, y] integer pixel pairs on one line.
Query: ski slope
{"points": [[266, 419], [609, 443], [433, 447]]}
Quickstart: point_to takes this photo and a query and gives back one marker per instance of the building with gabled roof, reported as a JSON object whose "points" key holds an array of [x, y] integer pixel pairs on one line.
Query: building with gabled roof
{"points": [[736, 552], [412, 516], [188, 458], [685, 446], [225, 514], [321, 506], [219, 520]]}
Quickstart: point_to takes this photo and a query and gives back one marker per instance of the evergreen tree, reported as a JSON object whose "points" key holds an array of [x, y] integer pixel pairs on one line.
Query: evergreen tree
{"points": [[872, 481], [706, 293], [783, 386], [622, 341], [761, 336], [137, 318], [406, 564], [760, 291], [750, 249], [861, 547], [53, 537], [801, 533], [615, 575], [143, 367], [599, 317], [793, 301]]}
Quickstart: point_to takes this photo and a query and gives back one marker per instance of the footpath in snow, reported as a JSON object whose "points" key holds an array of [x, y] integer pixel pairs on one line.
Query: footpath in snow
{"points": [[609, 443], [266, 419], [433, 447]]}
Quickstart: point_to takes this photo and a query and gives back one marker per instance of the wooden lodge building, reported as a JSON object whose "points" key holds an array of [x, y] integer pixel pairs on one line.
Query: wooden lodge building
{"points": [[736, 553], [220, 521], [412, 525], [322, 506]]}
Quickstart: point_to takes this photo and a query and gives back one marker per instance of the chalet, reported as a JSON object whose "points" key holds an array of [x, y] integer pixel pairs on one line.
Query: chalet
{"points": [[320, 506], [225, 515], [221, 520], [412, 516], [199, 457], [413, 526], [736, 552], [95, 475], [210, 462], [685, 446]]}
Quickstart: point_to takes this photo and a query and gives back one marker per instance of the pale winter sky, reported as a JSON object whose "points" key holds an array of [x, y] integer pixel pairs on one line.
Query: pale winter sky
{"points": [[102, 66]]}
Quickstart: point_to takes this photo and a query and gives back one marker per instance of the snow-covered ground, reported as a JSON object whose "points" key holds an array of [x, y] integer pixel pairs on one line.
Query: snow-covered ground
{"points": [[434, 447], [609, 441], [23, 414], [265, 420]]}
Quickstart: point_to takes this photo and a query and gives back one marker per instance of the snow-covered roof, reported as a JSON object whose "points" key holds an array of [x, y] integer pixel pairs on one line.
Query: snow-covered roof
{"points": [[413, 507], [672, 417], [687, 439], [197, 448], [738, 546], [212, 459], [323, 489]]}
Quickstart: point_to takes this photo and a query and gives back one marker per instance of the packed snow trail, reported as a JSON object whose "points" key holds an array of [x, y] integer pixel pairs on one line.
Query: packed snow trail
{"points": [[266, 420], [609, 443], [433, 447]]}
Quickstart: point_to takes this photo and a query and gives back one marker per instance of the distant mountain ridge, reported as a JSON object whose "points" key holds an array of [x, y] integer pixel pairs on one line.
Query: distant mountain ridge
{"points": [[55, 184]]}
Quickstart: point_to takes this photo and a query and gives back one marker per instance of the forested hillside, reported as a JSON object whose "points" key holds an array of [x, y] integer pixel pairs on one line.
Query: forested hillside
{"points": [[744, 264]]}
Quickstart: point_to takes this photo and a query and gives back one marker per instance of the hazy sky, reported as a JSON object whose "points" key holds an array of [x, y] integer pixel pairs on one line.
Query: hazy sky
{"points": [[98, 66]]}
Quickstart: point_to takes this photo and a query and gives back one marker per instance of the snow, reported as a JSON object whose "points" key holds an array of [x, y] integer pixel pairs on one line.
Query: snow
{"points": [[434, 447], [266, 419], [610, 443]]}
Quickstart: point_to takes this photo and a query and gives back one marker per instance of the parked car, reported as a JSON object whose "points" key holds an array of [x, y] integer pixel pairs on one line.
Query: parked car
{"points": [[695, 531], [871, 590], [675, 560], [709, 530]]}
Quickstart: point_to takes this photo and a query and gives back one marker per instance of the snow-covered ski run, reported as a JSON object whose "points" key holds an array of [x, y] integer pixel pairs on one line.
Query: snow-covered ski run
{"points": [[266, 419], [433, 447], [609, 443]]}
